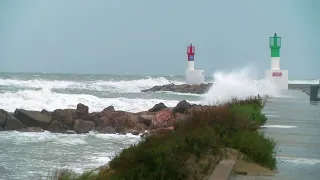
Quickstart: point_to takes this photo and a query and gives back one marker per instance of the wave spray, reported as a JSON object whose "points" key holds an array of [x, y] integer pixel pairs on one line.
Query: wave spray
{"points": [[240, 84]]}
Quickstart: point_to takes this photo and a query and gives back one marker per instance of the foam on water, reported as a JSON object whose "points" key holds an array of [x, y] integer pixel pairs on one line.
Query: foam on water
{"points": [[240, 83], [28, 137], [46, 99], [177, 93], [300, 161], [279, 126], [80, 152], [272, 115], [99, 85]]}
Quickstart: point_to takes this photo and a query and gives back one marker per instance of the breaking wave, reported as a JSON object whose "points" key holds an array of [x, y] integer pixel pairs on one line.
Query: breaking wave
{"points": [[240, 84]]}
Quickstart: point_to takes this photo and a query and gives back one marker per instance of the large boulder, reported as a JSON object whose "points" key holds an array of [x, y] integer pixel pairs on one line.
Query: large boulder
{"points": [[158, 107], [107, 130], [11, 123], [82, 126], [103, 122], [125, 122], [43, 111], [138, 128], [108, 111], [82, 109], [91, 116], [182, 107], [146, 119], [2, 119], [58, 127], [163, 118], [33, 118], [66, 116]]}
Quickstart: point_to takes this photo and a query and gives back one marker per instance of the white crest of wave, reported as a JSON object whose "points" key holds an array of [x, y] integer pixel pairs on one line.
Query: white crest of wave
{"points": [[135, 85], [46, 99], [240, 83], [296, 160]]}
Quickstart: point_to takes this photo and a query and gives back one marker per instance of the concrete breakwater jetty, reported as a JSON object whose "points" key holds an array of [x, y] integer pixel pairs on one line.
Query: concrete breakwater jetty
{"points": [[303, 87], [203, 88], [158, 119]]}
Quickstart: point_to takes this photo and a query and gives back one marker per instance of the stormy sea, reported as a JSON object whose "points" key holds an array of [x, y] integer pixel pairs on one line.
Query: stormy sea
{"points": [[293, 120]]}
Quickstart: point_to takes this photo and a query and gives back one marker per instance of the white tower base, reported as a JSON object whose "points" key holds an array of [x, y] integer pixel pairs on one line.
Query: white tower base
{"points": [[275, 63], [194, 77], [190, 65], [278, 77]]}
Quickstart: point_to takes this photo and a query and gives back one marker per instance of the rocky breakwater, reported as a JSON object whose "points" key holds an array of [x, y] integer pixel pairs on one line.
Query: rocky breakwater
{"points": [[156, 120], [183, 88]]}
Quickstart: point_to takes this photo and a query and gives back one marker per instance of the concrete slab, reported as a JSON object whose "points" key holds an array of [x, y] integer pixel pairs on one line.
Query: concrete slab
{"points": [[223, 170]]}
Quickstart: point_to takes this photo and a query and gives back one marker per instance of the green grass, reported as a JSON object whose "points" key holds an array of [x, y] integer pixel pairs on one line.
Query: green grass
{"points": [[231, 125]]}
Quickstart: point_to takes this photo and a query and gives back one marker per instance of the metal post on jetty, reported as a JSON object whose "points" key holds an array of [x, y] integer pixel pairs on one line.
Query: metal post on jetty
{"points": [[314, 91]]}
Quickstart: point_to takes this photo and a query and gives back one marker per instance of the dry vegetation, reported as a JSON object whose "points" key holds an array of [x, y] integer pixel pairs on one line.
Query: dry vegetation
{"points": [[193, 149]]}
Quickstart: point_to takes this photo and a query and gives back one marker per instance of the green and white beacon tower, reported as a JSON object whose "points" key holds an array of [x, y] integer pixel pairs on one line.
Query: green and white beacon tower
{"points": [[277, 76]]}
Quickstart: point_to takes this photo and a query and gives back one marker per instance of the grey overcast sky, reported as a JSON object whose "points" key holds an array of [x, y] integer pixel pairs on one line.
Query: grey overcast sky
{"points": [[150, 36]]}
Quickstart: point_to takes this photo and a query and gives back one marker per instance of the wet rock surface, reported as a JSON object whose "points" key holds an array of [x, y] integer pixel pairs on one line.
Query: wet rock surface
{"points": [[156, 120], [181, 88]]}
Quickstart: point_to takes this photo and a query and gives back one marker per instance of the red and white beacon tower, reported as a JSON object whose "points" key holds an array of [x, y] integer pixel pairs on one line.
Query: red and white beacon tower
{"points": [[193, 76]]}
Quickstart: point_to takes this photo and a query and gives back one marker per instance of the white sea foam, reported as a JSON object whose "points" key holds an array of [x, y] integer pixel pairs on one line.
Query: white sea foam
{"points": [[299, 161], [53, 150], [272, 115], [240, 84], [112, 86], [279, 126], [46, 99]]}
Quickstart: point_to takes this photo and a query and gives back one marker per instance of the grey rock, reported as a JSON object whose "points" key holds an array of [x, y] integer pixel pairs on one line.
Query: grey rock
{"points": [[2, 119], [33, 118], [82, 109], [183, 88], [66, 116], [182, 107], [108, 130], [82, 126], [57, 127], [12, 123], [158, 107], [146, 119]]}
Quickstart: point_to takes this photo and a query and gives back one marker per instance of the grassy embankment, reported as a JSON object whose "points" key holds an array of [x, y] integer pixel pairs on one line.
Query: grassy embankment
{"points": [[193, 149]]}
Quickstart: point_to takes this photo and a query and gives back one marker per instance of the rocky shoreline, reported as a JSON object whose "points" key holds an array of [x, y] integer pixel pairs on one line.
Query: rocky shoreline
{"points": [[182, 88], [109, 121]]}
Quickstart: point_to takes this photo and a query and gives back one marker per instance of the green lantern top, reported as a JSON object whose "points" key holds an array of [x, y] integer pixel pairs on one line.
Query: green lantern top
{"points": [[275, 45]]}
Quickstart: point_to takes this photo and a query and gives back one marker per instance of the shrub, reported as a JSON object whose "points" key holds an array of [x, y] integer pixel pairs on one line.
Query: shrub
{"points": [[65, 174], [231, 125]]}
